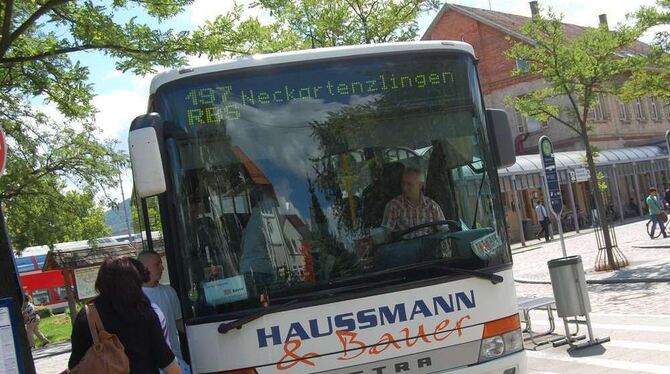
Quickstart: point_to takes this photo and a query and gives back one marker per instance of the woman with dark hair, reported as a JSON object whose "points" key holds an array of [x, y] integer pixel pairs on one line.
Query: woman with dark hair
{"points": [[126, 312]]}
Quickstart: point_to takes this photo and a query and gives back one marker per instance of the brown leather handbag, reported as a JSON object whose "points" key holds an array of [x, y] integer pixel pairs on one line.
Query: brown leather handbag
{"points": [[106, 355]]}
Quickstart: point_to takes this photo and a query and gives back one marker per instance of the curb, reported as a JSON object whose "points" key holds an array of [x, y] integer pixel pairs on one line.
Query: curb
{"points": [[603, 281]]}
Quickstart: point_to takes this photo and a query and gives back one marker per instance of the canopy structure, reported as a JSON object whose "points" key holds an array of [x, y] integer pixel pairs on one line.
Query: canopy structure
{"points": [[527, 171], [628, 173], [71, 259], [527, 164]]}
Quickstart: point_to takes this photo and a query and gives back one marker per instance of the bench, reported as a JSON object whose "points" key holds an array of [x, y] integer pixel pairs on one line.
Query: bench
{"points": [[526, 304]]}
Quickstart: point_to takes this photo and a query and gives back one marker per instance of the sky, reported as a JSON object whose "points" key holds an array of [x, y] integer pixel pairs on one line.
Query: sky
{"points": [[123, 96]]}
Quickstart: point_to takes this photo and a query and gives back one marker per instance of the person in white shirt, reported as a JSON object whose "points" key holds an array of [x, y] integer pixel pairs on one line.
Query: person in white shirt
{"points": [[166, 298], [543, 218]]}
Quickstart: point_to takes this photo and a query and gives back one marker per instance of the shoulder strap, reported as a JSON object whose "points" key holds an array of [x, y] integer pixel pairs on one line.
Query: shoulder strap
{"points": [[94, 322]]}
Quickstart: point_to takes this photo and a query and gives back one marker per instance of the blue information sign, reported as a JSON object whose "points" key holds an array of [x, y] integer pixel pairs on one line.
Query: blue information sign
{"points": [[11, 361], [550, 174]]}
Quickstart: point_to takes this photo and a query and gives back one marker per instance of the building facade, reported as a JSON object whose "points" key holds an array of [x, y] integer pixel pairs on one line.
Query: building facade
{"points": [[616, 124], [630, 136]]}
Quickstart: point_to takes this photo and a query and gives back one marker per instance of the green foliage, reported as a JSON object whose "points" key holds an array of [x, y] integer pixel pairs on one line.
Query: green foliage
{"points": [[37, 43], [44, 312], [652, 76], [154, 214], [576, 70], [54, 218], [327, 23]]}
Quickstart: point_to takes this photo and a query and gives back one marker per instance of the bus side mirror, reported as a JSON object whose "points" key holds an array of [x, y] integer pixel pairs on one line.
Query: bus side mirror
{"points": [[501, 138], [146, 158]]}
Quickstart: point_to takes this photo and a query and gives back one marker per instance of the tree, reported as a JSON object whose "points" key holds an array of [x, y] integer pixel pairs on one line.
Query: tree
{"points": [[138, 219], [37, 42], [39, 220], [576, 71], [43, 155], [327, 23], [653, 73]]}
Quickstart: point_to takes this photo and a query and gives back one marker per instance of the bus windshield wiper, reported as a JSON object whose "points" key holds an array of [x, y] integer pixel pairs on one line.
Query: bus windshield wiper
{"points": [[494, 278], [227, 326], [238, 323]]}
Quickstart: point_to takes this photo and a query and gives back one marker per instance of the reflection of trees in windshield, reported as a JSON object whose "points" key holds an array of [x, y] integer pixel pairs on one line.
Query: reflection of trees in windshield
{"points": [[364, 148], [331, 258], [290, 196]]}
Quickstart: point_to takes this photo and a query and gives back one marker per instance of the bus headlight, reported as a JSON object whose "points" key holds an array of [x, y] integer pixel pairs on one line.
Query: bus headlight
{"points": [[491, 348], [513, 341], [501, 337]]}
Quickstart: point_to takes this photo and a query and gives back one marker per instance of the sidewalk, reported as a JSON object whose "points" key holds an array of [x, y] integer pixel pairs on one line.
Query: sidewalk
{"points": [[649, 260], [51, 350], [52, 359]]}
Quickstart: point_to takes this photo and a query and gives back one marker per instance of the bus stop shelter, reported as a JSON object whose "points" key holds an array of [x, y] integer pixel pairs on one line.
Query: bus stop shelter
{"points": [[81, 265], [627, 173]]}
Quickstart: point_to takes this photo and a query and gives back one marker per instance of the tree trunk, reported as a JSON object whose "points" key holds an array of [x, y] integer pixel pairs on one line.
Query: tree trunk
{"points": [[598, 197]]}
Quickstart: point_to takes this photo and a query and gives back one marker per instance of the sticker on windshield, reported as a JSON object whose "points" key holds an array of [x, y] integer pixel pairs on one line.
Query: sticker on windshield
{"points": [[487, 246], [225, 290]]}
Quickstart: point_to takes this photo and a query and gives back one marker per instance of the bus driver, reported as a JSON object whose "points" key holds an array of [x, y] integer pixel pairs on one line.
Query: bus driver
{"points": [[412, 207]]}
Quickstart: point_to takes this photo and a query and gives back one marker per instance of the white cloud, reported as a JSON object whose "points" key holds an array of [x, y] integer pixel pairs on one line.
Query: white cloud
{"points": [[116, 110], [112, 74]]}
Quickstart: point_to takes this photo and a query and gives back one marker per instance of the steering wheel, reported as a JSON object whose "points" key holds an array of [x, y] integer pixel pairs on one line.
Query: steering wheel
{"points": [[453, 227]]}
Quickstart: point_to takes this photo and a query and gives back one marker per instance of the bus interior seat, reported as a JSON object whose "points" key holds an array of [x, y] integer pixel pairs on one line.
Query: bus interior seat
{"points": [[381, 192]]}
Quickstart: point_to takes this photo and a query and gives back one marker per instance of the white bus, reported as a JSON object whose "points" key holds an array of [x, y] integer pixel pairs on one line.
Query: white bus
{"points": [[334, 211]]}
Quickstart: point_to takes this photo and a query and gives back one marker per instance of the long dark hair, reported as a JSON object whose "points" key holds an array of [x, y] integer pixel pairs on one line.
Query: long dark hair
{"points": [[119, 285]]}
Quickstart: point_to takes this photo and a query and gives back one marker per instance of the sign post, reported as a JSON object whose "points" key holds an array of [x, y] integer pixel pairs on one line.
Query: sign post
{"points": [[667, 140], [552, 186], [10, 287], [3, 152]]}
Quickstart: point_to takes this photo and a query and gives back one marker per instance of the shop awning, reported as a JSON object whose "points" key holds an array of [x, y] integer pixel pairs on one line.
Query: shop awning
{"points": [[529, 164]]}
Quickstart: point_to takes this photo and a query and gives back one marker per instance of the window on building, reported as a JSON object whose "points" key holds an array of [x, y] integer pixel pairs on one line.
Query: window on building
{"points": [[61, 292], [522, 65], [623, 111], [639, 109], [41, 297], [653, 109], [520, 121], [599, 109]]}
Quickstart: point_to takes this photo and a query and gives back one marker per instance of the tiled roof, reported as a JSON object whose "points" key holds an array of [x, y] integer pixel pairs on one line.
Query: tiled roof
{"points": [[511, 24]]}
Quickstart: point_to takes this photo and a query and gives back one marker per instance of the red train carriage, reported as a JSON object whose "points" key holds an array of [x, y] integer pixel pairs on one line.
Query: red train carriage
{"points": [[47, 288]]}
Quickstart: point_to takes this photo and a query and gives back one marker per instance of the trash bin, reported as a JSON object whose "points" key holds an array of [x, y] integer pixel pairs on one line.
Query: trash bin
{"points": [[527, 228], [569, 285]]}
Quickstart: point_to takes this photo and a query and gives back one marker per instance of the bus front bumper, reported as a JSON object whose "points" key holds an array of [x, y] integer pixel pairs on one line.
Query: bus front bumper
{"points": [[511, 364]]}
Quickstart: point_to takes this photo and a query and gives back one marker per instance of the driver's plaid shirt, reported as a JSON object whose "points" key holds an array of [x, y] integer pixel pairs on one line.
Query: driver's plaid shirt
{"points": [[400, 214]]}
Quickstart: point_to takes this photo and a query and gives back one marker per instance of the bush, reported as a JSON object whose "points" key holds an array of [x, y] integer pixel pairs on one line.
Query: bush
{"points": [[44, 312]]}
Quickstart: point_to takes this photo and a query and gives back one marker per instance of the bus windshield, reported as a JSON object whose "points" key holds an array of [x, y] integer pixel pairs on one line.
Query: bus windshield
{"points": [[294, 179]]}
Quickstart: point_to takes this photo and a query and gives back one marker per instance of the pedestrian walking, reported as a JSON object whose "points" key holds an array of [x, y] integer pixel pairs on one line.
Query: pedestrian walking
{"points": [[122, 309], [656, 213], [543, 218], [666, 197], [32, 322]]}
